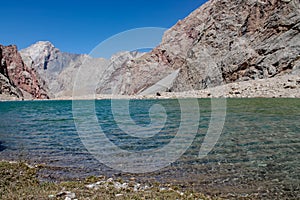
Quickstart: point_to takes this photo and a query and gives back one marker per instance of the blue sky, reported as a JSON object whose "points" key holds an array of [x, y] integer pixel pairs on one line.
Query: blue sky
{"points": [[78, 26]]}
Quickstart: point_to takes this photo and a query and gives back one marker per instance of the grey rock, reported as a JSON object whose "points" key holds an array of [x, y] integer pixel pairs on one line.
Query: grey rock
{"points": [[56, 68], [281, 86], [59, 70], [8, 91], [66, 194], [111, 81], [17, 80], [221, 42]]}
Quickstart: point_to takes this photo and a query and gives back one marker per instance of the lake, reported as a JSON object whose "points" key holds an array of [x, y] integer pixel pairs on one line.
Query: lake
{"points": [[257, 154]]}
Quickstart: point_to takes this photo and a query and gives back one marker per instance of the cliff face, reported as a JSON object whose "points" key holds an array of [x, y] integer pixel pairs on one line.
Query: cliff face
{"points": [[110, 80], [59, 69], [16, 79], [223, 41], [50, 63]]}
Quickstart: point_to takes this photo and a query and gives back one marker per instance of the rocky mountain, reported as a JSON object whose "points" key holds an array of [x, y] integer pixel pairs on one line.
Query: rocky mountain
{"points": [[59, 69], [56, 68], [221, 42], [110, 81], [16, 79]]}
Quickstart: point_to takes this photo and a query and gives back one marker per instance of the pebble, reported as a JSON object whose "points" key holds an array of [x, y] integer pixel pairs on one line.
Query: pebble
{"points": [[280, 86], [67, 194], [110, 180], [71, 195], [117, 185], [91, 186], [136, 187], [262, 165]]}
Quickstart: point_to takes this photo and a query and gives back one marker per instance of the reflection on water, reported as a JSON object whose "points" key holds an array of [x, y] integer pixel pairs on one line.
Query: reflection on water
{"points": [[258, 152]]}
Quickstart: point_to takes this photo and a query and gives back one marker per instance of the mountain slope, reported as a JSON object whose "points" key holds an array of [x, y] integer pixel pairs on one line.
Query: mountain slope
{"points": [[59, 69], [50, 62], [221, 42], [16, 79], [116, 63]]}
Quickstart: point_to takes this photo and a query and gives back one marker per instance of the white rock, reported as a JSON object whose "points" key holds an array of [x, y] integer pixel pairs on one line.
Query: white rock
{"points": [[136, 187], [110, 180], [91, 186], [71, 195]]}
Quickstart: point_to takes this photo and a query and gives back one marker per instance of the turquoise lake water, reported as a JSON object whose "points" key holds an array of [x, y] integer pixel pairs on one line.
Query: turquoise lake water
{"points": [[257, 154]]}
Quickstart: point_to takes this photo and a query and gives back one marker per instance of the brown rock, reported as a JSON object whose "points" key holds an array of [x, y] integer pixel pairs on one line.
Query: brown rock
{"points": [[19, 76], [221, 42]]}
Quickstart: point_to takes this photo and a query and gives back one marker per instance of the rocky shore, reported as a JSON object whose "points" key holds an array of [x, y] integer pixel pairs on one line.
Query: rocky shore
{"points": [[19, 181], [285, 86]]}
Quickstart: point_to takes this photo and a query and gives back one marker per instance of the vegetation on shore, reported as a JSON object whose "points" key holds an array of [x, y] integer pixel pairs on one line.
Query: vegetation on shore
{"points": [[19, 181]]}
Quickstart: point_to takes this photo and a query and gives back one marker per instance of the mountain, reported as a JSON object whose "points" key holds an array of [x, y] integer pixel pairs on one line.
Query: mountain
{"points": [[59, 69], [221, 42], [56, 68], [109, 79], [16, 79]]}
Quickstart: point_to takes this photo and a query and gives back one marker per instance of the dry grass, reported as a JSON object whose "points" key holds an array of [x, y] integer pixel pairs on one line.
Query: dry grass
{"points": [[18, 181]]}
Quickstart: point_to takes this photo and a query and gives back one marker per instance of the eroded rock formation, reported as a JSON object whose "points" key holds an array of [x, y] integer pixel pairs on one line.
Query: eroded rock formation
{"points": [[221, 42], [17, 80]]}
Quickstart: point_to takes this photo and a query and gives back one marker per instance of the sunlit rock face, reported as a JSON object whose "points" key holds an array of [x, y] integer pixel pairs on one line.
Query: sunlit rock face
{"points": [[17, 80], [221, 42], [59, 70], [50, 63]]}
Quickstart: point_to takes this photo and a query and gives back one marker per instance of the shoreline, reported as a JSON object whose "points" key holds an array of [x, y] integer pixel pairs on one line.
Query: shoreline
{"points": [[285, 86], [19, 180]]}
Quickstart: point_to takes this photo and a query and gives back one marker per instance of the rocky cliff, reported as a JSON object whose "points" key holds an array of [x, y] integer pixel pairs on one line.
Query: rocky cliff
{"points": [[50, 63], [16, 79], [59, 69], [110, 80], [221, 42]]}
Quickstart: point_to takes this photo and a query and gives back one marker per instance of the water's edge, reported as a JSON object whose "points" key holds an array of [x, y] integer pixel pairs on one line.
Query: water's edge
{"points": [[258, 151]]}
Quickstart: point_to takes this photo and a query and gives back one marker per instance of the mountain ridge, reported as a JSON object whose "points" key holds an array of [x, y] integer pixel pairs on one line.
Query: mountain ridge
{"points": [[220, 42], [236, 40], [50, 62]]}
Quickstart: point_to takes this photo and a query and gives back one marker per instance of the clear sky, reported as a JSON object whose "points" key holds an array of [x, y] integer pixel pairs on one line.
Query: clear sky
{"points": [[77, 26]]}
